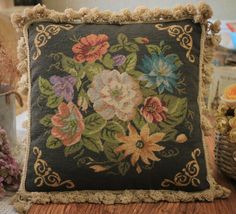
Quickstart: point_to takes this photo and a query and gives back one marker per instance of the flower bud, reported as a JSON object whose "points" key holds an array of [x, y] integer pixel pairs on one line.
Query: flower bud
{"points": [[142, 40], [181, 138]]}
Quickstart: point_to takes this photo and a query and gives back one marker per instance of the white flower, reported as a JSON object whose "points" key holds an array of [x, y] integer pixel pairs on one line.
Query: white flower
{"points": [[113, 94]]}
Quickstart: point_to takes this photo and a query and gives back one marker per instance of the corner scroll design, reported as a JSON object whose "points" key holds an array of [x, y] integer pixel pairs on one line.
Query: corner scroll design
{"points": [[45, 175], [182, 35], [45, 33], [188, 175]]}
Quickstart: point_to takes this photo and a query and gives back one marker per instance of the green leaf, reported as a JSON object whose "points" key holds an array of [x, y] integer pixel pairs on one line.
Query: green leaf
{"points": [[109, 150], [169, 134], [177, 110], [154, 128], [54, 101], [83, 100], [153, 49], [122, 38], [45, 87], [53, 143], [123, 167], [162, 43], [69, 150], [110, 130], [115, 48], [92, 143], [78, 84], [130, 62], [92, 69], [107, 61], [69, 65], [147, 92], [135, 73], [174, 58], [46, 120], [93, 124], [139, 121], [131, 47]]}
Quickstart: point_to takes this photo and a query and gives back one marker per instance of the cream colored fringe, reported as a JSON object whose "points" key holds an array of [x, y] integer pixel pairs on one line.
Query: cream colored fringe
{"points": [[199, 14], [24, 200]]}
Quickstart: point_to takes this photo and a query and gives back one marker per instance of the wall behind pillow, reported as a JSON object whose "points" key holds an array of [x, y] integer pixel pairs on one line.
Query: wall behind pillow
{"points": [[227, 13]]}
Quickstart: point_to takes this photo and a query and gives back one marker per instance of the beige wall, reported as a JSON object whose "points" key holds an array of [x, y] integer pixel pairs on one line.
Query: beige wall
{"points": [[223, 9]]}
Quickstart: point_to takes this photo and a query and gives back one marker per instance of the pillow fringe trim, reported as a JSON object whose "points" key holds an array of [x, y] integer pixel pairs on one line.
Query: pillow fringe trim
{"points": [[24, 200], [209, 41]]}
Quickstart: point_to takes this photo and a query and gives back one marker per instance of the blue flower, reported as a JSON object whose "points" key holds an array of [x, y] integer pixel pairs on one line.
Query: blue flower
{"points": [[160, 71]]}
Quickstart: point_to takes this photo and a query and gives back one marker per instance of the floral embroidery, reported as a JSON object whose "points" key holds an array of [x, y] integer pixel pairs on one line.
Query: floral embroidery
{"points": [[91, 48], [153, 110], [111, 107], [68, 124], [119, 60], [115, 94], [142, 40], [63, 86], [159, 71], [140, 146]]}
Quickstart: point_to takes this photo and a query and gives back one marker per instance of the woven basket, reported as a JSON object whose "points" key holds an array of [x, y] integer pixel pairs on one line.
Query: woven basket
{"points": [[225, 155]]}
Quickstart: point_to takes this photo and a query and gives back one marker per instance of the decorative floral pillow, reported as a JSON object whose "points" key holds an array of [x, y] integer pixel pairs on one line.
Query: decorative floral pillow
{"points": [[115, 108]]}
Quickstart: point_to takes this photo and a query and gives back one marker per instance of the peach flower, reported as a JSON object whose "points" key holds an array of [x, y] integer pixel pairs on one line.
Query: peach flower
{"points": [[68, 124], [90, 48]]}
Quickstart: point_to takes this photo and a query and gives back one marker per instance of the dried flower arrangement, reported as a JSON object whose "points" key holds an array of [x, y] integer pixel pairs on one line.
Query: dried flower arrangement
{"points": [[225, 150], [226, 114], [9, 169], [8, 72]]}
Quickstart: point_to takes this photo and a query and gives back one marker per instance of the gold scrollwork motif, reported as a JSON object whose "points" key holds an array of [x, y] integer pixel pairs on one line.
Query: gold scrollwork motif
{"points": [[45, 175], [188, 175], [182, 35], [45, 33]]}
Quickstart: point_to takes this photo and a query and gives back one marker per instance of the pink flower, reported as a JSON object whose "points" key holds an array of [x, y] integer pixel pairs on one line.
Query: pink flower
{"points": [[153, 110]]}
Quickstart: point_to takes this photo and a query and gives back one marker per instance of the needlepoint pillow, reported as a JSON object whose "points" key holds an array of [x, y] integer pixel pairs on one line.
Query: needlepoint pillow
{"points": [[115, 105]]}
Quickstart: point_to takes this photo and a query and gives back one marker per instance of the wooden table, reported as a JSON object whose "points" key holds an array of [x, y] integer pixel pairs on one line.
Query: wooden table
{"points": [[224, 206]]}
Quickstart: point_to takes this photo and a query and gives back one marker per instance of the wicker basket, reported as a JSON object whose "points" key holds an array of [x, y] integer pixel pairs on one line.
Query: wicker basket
{"points": [[225, 155]]}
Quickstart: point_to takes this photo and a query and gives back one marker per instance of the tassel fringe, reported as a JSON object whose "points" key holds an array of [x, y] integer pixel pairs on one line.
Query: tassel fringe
{"points": [[211, 39]]}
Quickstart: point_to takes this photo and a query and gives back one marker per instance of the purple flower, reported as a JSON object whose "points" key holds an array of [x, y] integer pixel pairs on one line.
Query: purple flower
{"points": [[63, 86], [119, 60], [9, 169]]}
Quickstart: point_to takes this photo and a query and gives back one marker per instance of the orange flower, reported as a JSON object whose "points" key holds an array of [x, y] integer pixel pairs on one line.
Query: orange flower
{"points": [[230, 92], [68, 124], [140, 146], [91, 47]]}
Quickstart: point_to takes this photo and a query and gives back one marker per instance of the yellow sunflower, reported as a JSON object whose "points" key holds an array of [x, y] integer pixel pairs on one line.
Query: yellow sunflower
{"points": [[141, 145]]}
